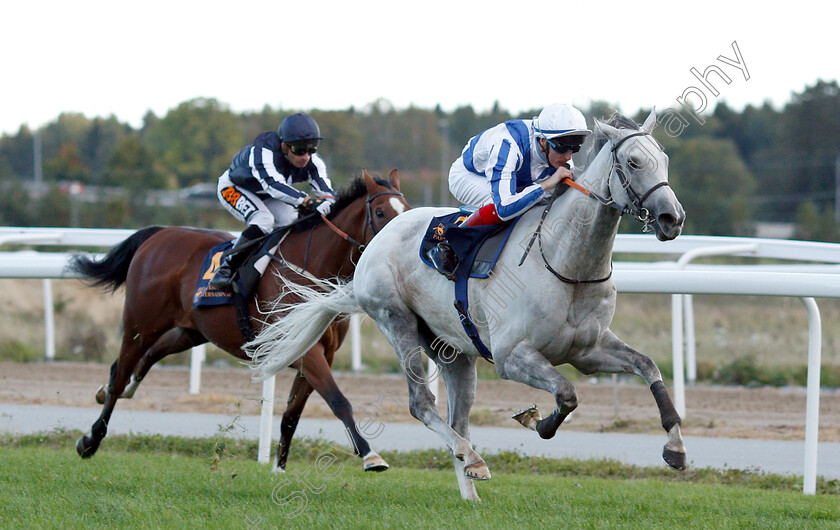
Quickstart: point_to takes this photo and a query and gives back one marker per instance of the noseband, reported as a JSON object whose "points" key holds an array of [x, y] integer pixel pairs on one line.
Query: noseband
{"points": [[638, 211]]}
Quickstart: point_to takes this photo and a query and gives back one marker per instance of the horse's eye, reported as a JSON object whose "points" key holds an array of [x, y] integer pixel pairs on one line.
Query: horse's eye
{"points": [[634, 163], [380, 213]]}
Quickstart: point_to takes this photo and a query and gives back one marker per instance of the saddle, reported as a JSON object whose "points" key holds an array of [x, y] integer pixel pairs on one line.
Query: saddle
{"points": [[478, 248], [247, 276]]}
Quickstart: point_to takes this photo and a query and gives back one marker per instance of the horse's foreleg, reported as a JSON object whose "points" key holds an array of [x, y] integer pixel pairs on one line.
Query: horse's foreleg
{"points": [[317, 371], [614, 356], [528, 365]]}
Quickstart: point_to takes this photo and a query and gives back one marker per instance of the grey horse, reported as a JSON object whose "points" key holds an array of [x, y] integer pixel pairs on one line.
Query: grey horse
{"points": [[554, 307]]}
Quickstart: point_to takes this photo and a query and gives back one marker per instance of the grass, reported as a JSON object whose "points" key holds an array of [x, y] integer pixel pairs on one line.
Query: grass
{"points": [[177, 483]]}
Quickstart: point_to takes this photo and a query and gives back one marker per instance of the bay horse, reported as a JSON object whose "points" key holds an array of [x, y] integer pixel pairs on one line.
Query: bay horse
{"points": [[537, 310], [160, 266]]}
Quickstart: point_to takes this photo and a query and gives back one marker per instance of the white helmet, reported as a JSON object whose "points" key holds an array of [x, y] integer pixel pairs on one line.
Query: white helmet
{"points": [[560, 120]]}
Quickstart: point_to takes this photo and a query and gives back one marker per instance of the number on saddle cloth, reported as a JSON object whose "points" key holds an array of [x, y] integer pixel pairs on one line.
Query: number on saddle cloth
{"points": [[247, 276]]}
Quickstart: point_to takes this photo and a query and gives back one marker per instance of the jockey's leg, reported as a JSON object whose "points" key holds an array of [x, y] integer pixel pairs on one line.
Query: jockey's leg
{"points": [[250, 209], [233, 258], [486, 215]]}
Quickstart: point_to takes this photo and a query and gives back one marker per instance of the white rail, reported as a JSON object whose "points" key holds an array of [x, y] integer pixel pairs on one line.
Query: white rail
{"points": [[676, 278]]}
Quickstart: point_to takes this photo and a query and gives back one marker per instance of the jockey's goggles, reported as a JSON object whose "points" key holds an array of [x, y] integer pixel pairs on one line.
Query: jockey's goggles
{"points": [[302, 148], [561, 148]]}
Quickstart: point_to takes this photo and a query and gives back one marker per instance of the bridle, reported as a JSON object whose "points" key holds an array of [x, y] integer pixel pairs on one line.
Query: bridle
{"points": [[342, 234], [369, 220], [637, 209]]}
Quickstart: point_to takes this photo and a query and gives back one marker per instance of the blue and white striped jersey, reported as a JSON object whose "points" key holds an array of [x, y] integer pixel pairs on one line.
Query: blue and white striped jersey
{"points": [[262, 168], [509, 157]]}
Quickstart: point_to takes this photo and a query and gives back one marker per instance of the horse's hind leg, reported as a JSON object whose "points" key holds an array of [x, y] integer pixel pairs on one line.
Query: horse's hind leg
{"points": [[173, 341], [121, 371], [315, 366], [614, 356], [298, 396], [458, 372], [528, 365], [401, 327]]}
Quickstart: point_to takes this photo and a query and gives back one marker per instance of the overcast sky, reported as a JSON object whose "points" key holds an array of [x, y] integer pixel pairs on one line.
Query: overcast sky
{"points": [[126, 58]]}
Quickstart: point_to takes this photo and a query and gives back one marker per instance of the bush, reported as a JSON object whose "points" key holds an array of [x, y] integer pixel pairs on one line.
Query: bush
{"points": [[741, 371]]}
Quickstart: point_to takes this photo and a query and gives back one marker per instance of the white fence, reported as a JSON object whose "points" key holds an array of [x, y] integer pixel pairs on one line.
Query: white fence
{"points": [[677, 277]]}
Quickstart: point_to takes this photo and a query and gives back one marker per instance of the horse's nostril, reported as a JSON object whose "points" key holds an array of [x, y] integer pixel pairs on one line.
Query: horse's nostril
{"points": [[666, 219]]}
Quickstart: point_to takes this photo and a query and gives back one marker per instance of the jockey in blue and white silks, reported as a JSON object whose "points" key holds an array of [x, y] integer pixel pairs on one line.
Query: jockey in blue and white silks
{"points": [[506, 169], [257, 187], [514, 164]]}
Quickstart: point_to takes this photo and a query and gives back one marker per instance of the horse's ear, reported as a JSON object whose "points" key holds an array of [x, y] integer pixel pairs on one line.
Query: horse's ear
{"points": [[609, 131], [371, 184], [650, 123], [394, 178]]}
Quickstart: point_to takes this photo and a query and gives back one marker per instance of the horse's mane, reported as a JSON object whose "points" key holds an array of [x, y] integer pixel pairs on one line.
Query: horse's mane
{"points": [[352, 191], [599, 139]]}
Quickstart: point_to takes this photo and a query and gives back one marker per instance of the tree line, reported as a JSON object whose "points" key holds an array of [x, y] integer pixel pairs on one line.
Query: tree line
{"points": [[738, 167]]}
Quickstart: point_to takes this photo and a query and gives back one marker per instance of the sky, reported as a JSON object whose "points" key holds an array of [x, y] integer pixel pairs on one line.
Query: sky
{"points": [[127, 58]]}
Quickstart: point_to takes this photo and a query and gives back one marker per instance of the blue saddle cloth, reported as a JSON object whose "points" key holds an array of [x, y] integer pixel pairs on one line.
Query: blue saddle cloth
{"points": [[478, 248], [246, 277], [206, 296]]}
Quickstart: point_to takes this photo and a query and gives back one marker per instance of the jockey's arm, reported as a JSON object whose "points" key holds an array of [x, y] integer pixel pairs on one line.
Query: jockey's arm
{"points": [[510, 203], [552, 181], [320, 182]]}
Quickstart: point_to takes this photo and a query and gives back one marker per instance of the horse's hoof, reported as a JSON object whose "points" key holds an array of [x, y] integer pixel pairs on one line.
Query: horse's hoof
{"points": [[84, 450], [528, 417], [101, 394], [477, 471], [277, 469], [373, 462], [674, 459]]}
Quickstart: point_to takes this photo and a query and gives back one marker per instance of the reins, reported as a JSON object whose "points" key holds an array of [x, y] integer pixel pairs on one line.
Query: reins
{"points": [[638, 211], [368, 214]]}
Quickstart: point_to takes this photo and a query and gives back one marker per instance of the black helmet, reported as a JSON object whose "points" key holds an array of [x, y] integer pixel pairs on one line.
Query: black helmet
{"points": [[299, 127]]}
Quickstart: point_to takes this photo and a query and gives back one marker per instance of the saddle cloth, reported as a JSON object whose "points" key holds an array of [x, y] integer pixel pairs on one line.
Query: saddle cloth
{"points": [[478, 248], [246, 277]]}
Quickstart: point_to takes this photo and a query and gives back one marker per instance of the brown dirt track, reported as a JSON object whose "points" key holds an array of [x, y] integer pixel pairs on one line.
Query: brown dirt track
{"points": [[733, 412]]}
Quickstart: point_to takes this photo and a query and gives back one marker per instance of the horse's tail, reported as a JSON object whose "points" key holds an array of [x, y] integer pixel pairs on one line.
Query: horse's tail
{"points": [[297, 327], [110, 272]]}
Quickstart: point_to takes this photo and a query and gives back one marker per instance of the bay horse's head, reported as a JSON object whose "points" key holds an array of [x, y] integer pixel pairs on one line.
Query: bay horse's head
{"points": [[383, 202], [639, 175], [367, 204]]}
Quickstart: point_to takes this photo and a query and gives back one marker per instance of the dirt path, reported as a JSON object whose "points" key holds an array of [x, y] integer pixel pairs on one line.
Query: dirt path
{"points": [[712, 411]]}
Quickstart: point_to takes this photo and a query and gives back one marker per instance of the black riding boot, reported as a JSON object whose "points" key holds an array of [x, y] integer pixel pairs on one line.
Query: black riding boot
{"points": [[444, 259], [233, 258]]}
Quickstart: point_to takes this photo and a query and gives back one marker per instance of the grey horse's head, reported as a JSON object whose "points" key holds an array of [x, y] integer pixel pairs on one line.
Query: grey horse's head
{"points": [[645, 165]]}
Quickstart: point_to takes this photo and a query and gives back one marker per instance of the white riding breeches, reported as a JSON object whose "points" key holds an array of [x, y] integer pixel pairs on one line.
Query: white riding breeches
{"points": [[468, 187], [248, 207]]}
